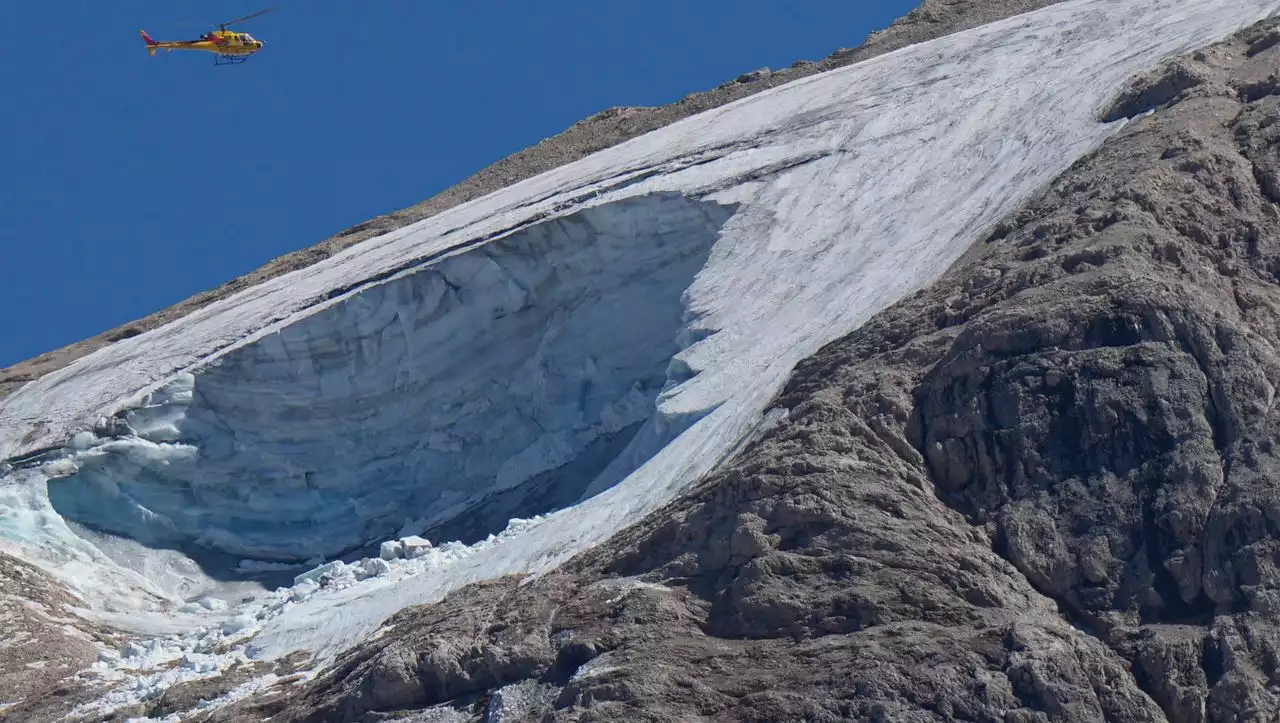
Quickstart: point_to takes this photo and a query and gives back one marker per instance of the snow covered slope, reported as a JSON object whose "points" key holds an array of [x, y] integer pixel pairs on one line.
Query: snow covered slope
{"points": [[614, 328]]}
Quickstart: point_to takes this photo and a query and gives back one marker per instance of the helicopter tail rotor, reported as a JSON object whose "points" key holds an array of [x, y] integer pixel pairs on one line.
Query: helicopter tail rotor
{"points": [[151, 44]]}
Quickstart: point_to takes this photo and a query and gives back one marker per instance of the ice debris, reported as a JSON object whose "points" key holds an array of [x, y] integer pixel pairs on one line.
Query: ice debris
{"points": [[145, 668], [391, 550]]}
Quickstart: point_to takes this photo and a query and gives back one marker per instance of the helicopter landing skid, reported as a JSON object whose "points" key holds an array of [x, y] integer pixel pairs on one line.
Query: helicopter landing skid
{"points": [[229, 59]]}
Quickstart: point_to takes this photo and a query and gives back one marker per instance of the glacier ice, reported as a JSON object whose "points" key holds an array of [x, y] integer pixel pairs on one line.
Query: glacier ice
{"points": [[308, 415], [455, 383]]}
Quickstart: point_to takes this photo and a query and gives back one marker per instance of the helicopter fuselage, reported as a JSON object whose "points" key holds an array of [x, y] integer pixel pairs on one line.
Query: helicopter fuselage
{"points": [[221, 42], [229, 46]]}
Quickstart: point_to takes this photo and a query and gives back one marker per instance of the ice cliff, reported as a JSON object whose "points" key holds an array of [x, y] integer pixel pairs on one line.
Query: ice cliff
{"points": [[585, 344], [533, 358]]}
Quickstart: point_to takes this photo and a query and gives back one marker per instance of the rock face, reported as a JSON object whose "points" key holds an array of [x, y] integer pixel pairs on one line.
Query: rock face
{"points": [[45, 645], [1044, 489]]}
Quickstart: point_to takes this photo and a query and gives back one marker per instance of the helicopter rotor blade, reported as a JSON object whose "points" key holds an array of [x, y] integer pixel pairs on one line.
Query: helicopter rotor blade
{"points": [[247, 17]]}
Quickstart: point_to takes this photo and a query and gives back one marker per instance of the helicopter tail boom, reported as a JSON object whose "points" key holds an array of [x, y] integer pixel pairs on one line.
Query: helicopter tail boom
{"points": [[231, 46]]}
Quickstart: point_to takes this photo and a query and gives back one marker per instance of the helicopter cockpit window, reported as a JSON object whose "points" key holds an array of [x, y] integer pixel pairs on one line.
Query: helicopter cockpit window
{"points": [[246, 38]]}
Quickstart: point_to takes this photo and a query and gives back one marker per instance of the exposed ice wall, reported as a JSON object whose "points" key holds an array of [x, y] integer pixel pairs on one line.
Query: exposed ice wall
{"points": [[415, 399]]}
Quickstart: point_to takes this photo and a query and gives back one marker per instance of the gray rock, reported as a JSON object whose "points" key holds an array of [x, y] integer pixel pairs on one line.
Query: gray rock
{"points": [[754, 76], [42, 653], [1150, 92]]}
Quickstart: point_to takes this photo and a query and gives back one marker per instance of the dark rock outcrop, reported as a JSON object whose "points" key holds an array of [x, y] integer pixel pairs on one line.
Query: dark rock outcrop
{"points": [[46, 646]]}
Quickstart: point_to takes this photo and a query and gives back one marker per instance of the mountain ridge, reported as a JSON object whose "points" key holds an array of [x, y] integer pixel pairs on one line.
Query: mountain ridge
{"points": [[1037, 490], [1040, 488], [604, 129]]}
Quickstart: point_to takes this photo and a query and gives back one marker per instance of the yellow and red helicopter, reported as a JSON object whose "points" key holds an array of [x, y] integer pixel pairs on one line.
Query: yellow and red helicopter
{"points": [[229, 48]]}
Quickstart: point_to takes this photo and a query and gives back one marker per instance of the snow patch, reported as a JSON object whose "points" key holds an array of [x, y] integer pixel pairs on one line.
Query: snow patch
{"points": [[523, 701]]}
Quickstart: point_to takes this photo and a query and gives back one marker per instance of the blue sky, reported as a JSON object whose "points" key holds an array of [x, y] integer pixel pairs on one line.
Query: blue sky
{"points": [[130, 183]]}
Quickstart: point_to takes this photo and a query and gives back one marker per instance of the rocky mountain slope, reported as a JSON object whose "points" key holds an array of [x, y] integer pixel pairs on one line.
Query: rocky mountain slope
{"points": [[1043, 489], [934, 18], [1039, 490]]}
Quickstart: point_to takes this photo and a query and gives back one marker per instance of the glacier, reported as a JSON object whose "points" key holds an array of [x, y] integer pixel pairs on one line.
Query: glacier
{"points": [[568, 353], [531, 358]]}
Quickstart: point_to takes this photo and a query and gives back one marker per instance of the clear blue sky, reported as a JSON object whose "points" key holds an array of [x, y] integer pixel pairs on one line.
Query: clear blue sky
{"points": [[130, 182]]}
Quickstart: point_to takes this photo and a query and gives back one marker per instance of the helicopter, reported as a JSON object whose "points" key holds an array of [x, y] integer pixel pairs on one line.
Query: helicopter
{"points": [[229, 48]]}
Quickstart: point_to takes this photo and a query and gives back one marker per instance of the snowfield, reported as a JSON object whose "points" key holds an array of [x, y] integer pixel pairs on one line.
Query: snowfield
{"points": [[570, 352]]}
